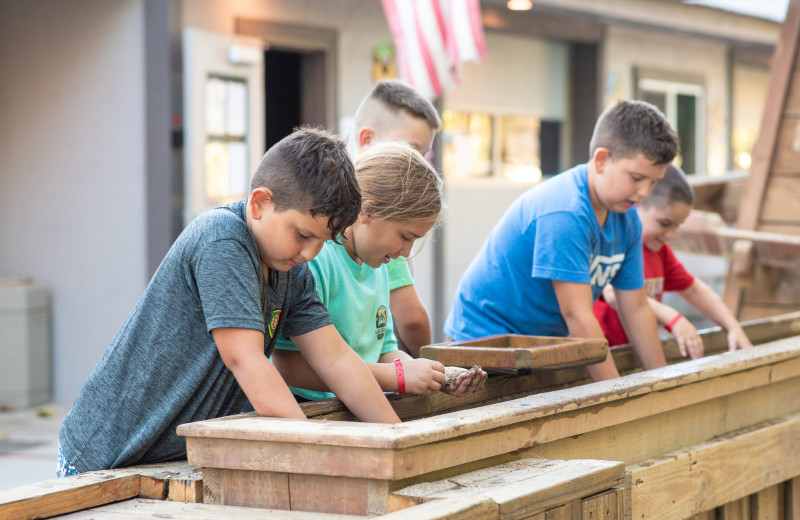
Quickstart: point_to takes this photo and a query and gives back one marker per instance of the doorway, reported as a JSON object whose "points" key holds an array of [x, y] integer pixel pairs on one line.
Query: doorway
{"points": [[294, 86]]}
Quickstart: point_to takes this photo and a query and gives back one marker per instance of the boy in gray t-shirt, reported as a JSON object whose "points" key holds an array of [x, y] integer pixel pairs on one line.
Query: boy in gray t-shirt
{"points": [[199, 338]]}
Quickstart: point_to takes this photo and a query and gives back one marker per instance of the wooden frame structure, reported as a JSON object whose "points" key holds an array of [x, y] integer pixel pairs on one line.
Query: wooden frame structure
{"points": [[768, 204], [717, 437]]}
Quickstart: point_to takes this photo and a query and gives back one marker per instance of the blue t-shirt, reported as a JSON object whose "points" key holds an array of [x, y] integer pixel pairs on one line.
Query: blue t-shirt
{"points": [[357, 298], [549, 233], [163, 367]]}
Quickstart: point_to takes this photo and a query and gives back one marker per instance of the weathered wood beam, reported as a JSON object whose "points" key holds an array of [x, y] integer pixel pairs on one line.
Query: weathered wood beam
{"points": [[522, 488], [702, 477]]}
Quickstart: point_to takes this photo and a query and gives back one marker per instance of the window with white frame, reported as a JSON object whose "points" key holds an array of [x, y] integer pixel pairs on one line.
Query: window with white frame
{"points": [[226, 163], [684, 106]]}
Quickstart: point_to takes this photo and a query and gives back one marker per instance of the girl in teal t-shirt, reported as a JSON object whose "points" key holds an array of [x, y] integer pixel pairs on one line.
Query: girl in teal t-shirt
{"points": [[402, 201]]}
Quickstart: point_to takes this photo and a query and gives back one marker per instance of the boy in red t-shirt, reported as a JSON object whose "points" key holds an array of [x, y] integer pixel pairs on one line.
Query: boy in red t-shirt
{"points": [[661, 214]]}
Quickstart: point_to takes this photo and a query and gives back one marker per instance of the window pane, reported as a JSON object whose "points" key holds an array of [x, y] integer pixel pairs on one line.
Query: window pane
{"points": [[237, 171], [659, 99], [236, 107], [215, 106], [520, 149], [686, 129], [467, 144], [217, 178]]}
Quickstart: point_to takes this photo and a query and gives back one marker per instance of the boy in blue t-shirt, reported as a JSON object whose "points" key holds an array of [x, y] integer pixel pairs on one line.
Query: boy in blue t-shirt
{"points": [[199, 338], [556, 247]]}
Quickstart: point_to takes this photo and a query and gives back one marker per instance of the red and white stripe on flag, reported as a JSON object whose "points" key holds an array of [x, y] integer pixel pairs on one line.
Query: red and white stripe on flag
{"points": [[432, 37]]}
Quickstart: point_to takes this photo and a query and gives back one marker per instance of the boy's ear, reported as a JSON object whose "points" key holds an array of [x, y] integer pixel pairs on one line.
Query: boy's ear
{"points": [[364, 216], [600, 158], [366, 136], [260, 201]]}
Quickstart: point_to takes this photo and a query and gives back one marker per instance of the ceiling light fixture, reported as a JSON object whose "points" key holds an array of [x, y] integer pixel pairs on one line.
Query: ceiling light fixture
{"points": [[519, 5]]}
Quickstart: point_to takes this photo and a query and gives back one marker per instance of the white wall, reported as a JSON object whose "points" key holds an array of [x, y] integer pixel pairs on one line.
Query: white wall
{"points": [[626, 48], [72, 167]]}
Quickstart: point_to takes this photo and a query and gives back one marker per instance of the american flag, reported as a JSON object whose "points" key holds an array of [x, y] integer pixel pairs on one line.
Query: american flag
{"points": [[432, 37]]}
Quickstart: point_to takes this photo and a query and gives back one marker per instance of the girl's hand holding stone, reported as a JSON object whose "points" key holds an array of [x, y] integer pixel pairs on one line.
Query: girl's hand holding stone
{"points": [[460, 381], [423, 376]]}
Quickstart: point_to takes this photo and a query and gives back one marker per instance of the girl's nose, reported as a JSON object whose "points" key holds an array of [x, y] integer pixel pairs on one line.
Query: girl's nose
{"points": [[406, 250]]}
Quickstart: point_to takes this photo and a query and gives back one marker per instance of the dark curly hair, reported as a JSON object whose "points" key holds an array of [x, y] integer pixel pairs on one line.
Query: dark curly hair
{"points": [[310, 171]]}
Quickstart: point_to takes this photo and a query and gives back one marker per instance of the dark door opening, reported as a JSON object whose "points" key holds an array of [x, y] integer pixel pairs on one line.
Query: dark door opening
{"points": [[294, 91], [281, 94]]}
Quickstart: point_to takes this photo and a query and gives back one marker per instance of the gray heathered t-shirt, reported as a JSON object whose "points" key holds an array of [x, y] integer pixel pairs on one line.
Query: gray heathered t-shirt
{"points": [[163, 368]]}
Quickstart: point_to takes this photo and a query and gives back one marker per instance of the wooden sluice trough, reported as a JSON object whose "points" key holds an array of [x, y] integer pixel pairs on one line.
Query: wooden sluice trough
{"points": [[715, 438]]}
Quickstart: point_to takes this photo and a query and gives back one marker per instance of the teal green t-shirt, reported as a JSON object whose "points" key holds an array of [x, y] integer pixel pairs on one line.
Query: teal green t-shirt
{"points": [[357, 298], [399, 273]]}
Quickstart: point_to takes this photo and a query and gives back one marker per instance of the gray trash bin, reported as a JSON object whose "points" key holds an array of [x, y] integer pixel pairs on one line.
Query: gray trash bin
{"points": [[24, 343]]}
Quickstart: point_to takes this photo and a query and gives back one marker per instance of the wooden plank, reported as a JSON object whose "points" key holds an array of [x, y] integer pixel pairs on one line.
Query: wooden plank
{"points": [[767, 504], [503, 388], [461, 508], [571, 511], [787, 148], [780, 199], [518, 352], [702, 477], [792, 105], [61, 496], [764, 149], [719, 195], [354, 496], [418, 447], [792, 496], [522, 488], [246, 488], [754, 311], [175, 481], [608, 505], [783, 228], [161, 509], [736, 510]]}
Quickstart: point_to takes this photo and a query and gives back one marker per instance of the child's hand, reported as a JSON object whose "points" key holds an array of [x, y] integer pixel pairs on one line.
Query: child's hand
{"points": [[460, 381], [689, 342], [423, 376], [737, 339]]}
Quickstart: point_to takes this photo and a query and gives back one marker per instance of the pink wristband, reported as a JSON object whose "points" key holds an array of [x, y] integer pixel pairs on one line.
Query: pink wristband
{"points": [[672, 322], [401, 378]]}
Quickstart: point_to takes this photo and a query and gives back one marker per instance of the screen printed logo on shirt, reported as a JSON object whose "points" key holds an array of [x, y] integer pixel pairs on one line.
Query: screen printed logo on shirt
{"points": [[603, 268], [273, 322], [381, 317], [654, 287]]}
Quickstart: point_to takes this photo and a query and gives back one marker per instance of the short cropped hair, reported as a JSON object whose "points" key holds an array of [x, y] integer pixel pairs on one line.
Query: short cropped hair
{"points": [[396, 96], [627, 128], [672, 188], [310, 171]]}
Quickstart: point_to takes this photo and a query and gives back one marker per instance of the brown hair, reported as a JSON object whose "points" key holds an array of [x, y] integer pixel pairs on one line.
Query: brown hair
{"points": [[396, 96], [672, 188], [398, 183], [628, 128], [310, 171]]}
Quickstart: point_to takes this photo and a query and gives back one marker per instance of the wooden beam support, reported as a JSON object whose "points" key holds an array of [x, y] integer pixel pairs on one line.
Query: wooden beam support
{"points": [[702, 477], [522, 488]]}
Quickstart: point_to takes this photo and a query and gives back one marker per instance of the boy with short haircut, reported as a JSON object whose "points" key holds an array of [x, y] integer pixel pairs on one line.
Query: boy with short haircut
{"points": [[562, 241], [199, 338], [661, 213], [395, 111]]}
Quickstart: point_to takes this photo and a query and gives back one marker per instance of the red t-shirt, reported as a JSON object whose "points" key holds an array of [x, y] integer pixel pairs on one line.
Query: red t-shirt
{"points": [[662, 272]]}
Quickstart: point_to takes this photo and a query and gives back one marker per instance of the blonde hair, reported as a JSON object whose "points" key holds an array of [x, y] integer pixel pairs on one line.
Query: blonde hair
{"points": [[398, 183]]}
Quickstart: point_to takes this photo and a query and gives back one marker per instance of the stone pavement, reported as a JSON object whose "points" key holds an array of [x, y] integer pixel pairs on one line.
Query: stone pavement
{"points": [[29, 444]]}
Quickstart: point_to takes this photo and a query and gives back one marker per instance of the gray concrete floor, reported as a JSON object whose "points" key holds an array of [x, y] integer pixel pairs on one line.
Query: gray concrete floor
{"points": [[29, 444]]}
